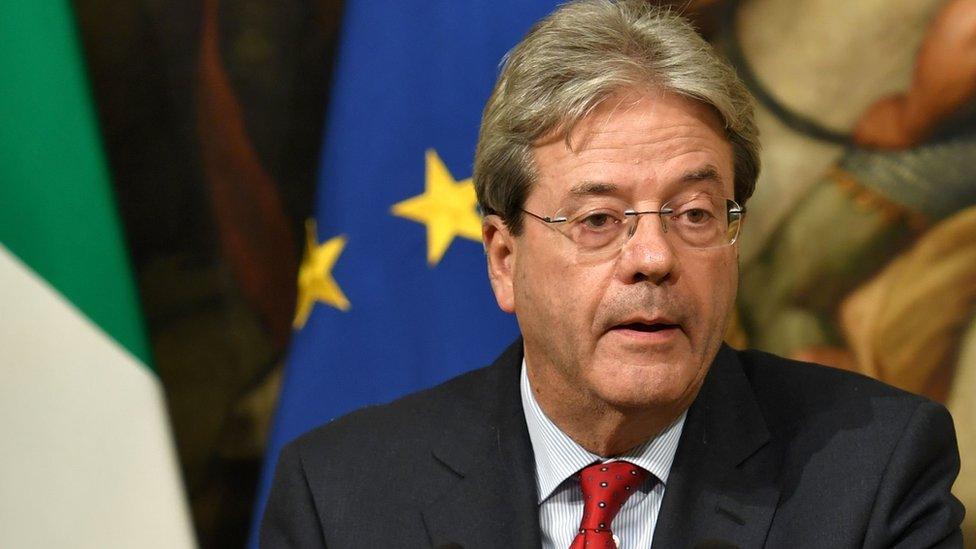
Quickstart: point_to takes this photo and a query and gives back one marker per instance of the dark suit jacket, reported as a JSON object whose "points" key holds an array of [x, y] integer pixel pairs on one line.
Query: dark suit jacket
{"points": [[774, 453]]}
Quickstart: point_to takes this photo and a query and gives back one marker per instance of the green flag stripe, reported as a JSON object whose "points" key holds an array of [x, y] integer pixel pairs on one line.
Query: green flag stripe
{"points": [[56, 206]]}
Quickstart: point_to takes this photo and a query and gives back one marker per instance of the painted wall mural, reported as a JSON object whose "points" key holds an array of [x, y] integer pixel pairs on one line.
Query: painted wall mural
{"points": [[860, 251]]}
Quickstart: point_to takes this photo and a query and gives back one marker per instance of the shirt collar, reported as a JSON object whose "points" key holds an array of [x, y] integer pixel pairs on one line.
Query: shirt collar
{"points": [[558, 457]]}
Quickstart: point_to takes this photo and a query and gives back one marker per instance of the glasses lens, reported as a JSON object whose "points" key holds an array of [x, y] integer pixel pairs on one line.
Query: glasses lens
{"points": [[704, 221], [595, 230], [735, 221]]}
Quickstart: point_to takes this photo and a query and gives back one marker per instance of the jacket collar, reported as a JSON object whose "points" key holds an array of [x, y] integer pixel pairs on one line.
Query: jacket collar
{"points": [[723, 488], [488, 448]]}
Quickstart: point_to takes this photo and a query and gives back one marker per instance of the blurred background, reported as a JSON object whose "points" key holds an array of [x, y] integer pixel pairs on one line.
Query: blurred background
{"points": [[860, 250], [211, 114]]}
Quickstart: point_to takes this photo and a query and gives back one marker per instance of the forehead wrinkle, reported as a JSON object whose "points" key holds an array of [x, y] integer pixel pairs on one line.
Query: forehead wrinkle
{"points": [[705, 173], [666, 139]]}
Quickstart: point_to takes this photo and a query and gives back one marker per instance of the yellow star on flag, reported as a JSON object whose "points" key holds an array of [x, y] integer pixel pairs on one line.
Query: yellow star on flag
{"points": [[315, 282], [447, 208]]}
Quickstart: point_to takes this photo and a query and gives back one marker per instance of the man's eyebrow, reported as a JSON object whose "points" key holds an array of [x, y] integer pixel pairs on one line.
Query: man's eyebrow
{"points": [[587, 188], [707, 172]]}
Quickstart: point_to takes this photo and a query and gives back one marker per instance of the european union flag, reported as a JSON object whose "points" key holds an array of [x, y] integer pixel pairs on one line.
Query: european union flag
{"points": [[393, 290]]}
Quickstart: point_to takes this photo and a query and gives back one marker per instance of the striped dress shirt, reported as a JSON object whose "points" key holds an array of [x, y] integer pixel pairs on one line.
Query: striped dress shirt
{"points": [[557, 460]]}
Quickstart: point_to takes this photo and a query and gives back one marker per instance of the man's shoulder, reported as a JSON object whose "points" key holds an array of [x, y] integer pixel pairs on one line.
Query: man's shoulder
{"points": [[388, 461], [865, 447], [463, 406], [776, 379], [800, 400]]}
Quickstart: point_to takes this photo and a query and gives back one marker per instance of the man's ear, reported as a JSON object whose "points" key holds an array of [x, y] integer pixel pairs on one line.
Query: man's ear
{"points": [[500, 248]]}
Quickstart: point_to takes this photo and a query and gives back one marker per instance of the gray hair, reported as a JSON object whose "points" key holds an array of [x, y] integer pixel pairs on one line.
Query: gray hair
{"points": [[573, 60]]}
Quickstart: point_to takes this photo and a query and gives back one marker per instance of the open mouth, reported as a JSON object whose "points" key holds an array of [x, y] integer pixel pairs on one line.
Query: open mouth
{"points": [[647, 327]]}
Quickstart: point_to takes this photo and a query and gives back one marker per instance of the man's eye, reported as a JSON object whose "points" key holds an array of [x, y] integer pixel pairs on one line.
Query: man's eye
{"points": [[696, 215], [596, 221]]}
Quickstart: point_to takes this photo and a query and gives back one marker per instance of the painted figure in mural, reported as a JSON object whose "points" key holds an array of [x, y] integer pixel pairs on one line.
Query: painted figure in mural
{"points": [[865, 257], [870, 206]]}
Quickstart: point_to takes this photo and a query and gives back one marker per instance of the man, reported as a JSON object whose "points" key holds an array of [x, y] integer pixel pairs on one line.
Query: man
{"points": [[615, 158]]}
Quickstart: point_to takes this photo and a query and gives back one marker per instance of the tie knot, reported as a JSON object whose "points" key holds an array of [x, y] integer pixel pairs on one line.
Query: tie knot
{"points": [[606, 486]]}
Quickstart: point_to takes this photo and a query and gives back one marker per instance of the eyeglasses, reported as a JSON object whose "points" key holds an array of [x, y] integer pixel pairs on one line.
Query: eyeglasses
{"points": [[700, 221]]}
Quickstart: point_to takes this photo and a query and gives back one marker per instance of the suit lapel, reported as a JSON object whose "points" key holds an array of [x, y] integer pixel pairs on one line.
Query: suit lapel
{"points": [[722, 487], [493, 502]]}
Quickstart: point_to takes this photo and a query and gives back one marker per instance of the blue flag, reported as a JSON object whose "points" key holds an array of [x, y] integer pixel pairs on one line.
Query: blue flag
{"points": [[393, 291]]}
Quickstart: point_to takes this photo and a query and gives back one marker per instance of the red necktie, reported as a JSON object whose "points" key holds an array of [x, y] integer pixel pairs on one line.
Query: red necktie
{"points": [[606, 486]]}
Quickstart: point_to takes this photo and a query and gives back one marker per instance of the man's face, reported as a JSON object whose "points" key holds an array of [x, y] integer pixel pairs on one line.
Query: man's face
{"points": [[640, 327]]}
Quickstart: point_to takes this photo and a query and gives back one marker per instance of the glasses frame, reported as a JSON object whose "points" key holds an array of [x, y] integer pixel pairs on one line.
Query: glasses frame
{"points": [[732, 208]]}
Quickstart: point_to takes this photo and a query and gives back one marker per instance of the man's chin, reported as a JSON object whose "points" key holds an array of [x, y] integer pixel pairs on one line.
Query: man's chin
{"points": [[638, 353], [648, 411], [646, 386]]}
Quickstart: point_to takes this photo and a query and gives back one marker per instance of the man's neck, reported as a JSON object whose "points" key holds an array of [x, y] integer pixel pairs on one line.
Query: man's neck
{"points": [[598, 426]]}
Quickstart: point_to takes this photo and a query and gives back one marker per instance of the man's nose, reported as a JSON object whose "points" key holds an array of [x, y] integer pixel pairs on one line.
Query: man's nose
{"points": [[648, 254]]}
